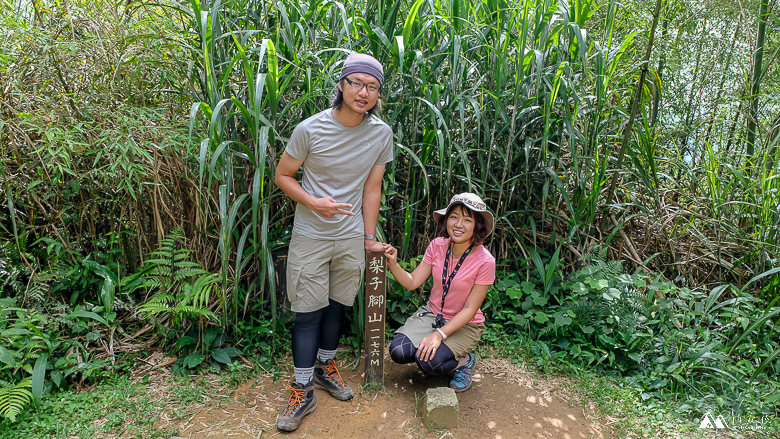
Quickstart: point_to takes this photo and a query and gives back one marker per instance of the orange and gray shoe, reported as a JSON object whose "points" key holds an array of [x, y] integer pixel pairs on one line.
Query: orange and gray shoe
{"points": [[327, 376], [302, 401]]}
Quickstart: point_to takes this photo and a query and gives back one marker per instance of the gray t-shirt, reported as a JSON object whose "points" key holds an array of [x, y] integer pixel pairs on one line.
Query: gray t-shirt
{"points": [[336, 162]]}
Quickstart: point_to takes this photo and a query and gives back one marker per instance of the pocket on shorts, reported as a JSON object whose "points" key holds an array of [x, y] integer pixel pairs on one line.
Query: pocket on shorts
{"points": [[307, 287], [293, 282], [345, 285], [346, 272]]}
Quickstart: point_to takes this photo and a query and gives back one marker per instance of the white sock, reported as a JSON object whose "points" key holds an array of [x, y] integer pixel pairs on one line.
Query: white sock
{"points": [[324, 355], [303, 374]]}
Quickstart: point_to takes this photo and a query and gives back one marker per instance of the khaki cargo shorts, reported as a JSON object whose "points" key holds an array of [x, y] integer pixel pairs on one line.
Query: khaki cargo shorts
{"points": [[460, 342], [322, 269]]}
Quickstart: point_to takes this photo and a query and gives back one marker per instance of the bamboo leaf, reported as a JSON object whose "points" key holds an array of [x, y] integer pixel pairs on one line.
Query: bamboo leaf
{"points": [[753, 326], [411, 19], [86, 314]]}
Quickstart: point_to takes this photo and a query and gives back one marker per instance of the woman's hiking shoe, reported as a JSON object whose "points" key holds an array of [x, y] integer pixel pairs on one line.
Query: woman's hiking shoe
{"points": [[302, 401], [461, 377], [327, 376]]}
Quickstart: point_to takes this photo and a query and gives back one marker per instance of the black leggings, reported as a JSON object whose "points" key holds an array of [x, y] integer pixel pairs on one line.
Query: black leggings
{"points": [[314, 330], [403, 351]]}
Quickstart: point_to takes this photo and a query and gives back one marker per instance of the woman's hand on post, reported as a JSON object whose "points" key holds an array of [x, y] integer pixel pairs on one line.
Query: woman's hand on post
{"points": [[407, 280], [391, 254]]}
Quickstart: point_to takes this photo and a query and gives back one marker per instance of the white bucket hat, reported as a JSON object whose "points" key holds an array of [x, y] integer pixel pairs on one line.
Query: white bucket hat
{"points": [[474, 203]]}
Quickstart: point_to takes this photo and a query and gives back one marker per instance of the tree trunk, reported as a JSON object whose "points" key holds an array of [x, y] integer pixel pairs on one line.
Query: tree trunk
{"points": [[756, 84], [661, 63], [772, 142], [690, 114], [711, 121], [733, 128], [634, 110]]}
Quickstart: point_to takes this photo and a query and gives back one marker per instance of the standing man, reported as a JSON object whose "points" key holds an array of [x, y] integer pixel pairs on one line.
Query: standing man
{"points": [[343, 151]]}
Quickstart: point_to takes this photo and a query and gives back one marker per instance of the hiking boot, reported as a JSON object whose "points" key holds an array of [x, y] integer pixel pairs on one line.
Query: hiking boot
{"points": [[302, 401], [461, 377], [327, 376]]}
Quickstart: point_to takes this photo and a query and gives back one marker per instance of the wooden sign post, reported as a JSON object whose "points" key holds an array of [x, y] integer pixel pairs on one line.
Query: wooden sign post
{"points": [[376, 288]]}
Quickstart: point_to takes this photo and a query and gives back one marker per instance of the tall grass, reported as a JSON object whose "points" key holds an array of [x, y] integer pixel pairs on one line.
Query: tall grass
{"points": [[526, 103], [516, 101]]}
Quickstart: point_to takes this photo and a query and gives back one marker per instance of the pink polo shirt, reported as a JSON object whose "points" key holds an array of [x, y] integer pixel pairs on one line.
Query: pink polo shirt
{"points": [[479, 268]]}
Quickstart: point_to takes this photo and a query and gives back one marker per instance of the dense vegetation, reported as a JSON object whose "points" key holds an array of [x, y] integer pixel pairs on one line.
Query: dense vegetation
{"points": [[629, 151]]}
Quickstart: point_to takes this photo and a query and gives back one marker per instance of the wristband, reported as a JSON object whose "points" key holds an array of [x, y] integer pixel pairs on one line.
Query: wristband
{"points": [[367, 237], [443, 335]]}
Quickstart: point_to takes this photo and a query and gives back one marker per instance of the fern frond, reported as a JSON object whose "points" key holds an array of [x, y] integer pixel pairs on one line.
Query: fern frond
{"points": [[165, 249], [183, 286], [189, 272], [162, 297], [186, 264], [154, 308], [162, 270], [162, 260], [181, 254], [194, 312], [199, 293], [14, 399]]}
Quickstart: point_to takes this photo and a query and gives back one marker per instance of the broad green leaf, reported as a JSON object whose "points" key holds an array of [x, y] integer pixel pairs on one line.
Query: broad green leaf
{"points": [[539, 300], [224, 355], [86, 314], [7, 357], [515, 293], [541, 317], [611, 294], [39, 377], [193, 360], [185, 341], [527, 287], [56, 378]]}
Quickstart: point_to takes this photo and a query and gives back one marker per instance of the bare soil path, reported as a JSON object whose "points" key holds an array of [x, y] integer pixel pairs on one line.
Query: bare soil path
{"points": [[504, 402]]}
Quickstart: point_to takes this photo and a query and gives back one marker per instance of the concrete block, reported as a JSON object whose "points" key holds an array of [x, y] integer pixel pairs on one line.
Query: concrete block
{"points": [[441, 408]]}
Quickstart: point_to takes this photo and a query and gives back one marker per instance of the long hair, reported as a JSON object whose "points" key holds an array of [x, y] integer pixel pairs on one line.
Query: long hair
{"points": [[338, 99], [480, 231]]}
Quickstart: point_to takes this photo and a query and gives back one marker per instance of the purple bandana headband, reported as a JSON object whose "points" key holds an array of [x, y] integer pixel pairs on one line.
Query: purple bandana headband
{"points": [[360, 63]]}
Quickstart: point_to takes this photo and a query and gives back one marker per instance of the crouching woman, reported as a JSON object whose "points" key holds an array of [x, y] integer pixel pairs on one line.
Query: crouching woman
{"points": [[440, 335]]}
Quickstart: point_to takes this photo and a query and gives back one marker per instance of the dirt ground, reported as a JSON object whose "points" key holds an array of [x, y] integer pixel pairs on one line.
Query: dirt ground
{"points": [[504, 402]]}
